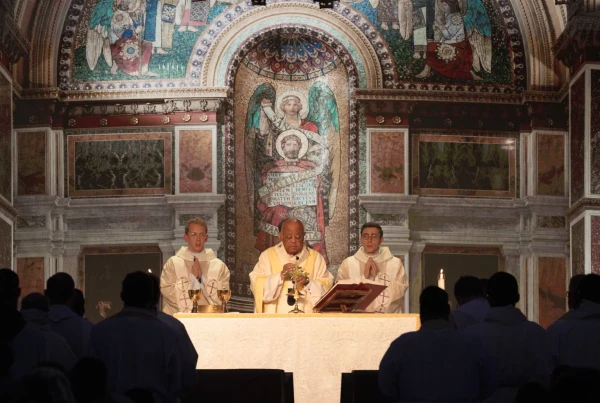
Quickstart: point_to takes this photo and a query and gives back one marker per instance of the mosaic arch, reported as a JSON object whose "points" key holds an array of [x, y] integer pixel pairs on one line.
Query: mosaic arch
{"points": [[130, 44], [291, 91]]}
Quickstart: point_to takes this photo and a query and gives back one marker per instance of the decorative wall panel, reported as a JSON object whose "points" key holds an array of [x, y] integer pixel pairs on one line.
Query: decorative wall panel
{"points": [[5, 138], [595, 133], [31, 165], [195, 161], [119, 164], [31, 275], [551, 164], [577, 135], [387, 162], [6, 241], [552, 279], [578, 247], [464, 166]]}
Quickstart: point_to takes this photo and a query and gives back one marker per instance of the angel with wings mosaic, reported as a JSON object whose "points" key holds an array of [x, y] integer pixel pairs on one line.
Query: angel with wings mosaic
{"points": [[293, 161]]}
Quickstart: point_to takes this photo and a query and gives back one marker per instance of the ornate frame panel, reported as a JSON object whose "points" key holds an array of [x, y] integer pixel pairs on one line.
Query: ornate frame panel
{"points": [[165, 137], [494, 174]]}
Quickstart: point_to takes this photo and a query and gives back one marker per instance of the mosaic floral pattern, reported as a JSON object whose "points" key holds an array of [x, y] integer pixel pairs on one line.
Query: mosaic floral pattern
{"points": [[292, 57]]}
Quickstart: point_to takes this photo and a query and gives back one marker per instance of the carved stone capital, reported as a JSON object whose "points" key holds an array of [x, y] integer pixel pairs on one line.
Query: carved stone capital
{"points": [[581, 35]]}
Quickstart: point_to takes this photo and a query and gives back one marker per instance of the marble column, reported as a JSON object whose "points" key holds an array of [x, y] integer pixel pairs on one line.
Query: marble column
{"points": [[578, 48]]}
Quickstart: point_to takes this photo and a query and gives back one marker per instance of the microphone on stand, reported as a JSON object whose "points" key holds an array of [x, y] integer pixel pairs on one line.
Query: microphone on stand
{"points": [[290, 298]]}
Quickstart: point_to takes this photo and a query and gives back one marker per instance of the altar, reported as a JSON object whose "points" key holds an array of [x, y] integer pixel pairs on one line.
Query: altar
{"points": [[317, 348]]}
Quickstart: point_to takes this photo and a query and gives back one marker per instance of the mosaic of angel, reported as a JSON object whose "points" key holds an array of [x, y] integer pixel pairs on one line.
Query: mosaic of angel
{"points": [[126, 33], [454, 36], [292, 161]]}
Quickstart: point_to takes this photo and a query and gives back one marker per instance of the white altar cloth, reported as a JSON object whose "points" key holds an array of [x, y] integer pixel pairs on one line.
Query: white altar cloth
{"points": [[317, 348]]}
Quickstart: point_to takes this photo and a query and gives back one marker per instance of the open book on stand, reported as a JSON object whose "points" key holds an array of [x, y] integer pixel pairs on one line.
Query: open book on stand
{"points": [[349, 296]]}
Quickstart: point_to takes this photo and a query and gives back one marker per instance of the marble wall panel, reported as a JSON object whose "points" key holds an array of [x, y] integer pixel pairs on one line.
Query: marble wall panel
{"points": [[552, 280], [595, 244], [447, 223], [5, 138], [119, 164], [6, 241], [578, 248], [31, 164], [129, 223], [551, 164], [595, 133], [31, 275], [184, 218], [464, 166], [390, 219], [35, 221], [195, 161], [577, 134], [387, 162]]}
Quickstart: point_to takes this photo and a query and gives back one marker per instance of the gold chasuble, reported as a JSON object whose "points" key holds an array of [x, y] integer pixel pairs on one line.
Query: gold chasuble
{"points": [[270, 292]]}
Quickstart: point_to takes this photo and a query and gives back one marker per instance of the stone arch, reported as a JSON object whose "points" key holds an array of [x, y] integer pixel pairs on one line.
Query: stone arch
{"points": [[217, 48]]}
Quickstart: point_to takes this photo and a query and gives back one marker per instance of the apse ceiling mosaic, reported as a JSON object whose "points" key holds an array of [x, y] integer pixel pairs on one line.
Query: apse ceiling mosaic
{"points": [[132, 44]]}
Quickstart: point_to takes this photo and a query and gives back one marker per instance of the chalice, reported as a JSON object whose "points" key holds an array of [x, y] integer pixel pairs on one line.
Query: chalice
{"points": [[224, 296], [195, 296], [297, 291]]}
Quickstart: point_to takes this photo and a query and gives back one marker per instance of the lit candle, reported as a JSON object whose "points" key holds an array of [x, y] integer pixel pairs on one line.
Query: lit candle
{"points": [[441, 280]]}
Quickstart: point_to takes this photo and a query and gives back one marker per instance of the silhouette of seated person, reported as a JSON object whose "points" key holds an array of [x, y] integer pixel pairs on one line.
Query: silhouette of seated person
{"points": [[63, 320], [472, 304], [520, 346], [436, 363], [35, 309], [574, 340], [138, 350]]}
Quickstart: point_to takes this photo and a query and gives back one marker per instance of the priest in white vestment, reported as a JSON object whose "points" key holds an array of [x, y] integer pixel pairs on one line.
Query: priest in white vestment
{"points": [[194, 267], [520, 346], [376, 263], [270, 280], [574, 340]]}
